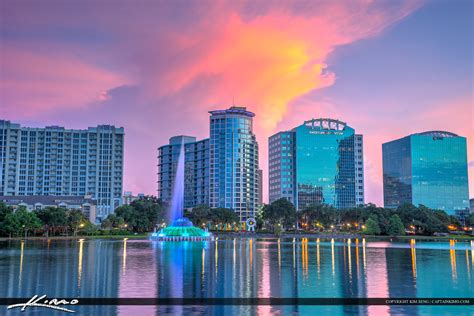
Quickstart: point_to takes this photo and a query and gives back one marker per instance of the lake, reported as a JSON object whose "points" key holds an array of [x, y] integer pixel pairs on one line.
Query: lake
{"points": [[238, 268]]}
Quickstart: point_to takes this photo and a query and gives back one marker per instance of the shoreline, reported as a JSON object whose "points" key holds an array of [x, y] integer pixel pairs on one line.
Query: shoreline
{"points": [[246, 235]]}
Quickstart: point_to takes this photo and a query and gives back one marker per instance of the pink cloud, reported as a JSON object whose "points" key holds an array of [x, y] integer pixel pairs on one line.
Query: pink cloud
{"points": [[184, 59], [32, 82]]}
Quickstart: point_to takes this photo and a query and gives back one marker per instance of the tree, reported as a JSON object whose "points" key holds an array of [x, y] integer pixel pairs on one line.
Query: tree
{"points": [[280, 213], [75, 219], [53, 218], [27, 220], [200, 215], [395, 227], [320, 216], [4, 211], [10, 225], [142, 214], [89, 229], [425, 220], [470, 220], [113, 221], [222, 215], [372, 226]]}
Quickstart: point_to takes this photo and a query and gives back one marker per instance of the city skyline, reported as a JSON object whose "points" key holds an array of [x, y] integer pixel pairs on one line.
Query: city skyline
{"points": [[94, 71]]}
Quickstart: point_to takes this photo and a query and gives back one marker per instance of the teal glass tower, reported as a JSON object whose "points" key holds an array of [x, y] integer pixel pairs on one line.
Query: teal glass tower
{"points": [[428, 168], [318, 162]]}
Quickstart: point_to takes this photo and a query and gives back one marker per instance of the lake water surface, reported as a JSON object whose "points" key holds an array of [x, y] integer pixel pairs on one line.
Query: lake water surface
{"points": [[235, 268]]}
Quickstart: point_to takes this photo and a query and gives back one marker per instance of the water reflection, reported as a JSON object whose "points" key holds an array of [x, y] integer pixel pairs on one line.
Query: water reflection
{"points": [[124, 256], [279, 255], [22, 248], [332, 257], [79, 263], [413, 261], [318, 258], [376, 279], [239, 268]]}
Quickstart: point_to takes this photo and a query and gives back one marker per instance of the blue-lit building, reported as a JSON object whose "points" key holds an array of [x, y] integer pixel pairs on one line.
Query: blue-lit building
{"points": [[220, 171], [63, 162], [428, 168], [234, 177], [318, 162], [196, 172]]}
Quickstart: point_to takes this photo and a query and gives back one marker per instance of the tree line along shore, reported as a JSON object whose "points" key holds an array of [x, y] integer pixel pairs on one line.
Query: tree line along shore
{"points": [[279, 218]]}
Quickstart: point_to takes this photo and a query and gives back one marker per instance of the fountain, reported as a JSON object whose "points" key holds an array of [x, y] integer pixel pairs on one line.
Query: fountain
{"points": [[180, 228]]}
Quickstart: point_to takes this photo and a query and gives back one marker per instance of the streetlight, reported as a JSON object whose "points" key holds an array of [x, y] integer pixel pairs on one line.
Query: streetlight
{"points": [[25, 231]]}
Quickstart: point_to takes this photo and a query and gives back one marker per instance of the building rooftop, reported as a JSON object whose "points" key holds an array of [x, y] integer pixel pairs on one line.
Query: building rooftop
{"points": [[239, 110], [102, 128], [325, 124], [437, 134], [46, 199]]}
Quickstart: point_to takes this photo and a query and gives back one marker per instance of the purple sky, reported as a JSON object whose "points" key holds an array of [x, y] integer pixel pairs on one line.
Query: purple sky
{"points": [[387, 68]]}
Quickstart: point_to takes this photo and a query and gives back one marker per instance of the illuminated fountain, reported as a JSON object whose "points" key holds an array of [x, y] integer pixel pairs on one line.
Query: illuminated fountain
{"points": [[180, 228]]}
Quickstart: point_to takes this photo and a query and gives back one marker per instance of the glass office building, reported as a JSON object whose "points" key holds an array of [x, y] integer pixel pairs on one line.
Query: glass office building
{"points": [[318, 162], [234, 177], [63, 162], [196, 172], [427, 168]]}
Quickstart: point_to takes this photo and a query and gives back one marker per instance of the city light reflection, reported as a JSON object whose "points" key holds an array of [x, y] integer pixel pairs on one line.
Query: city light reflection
{"points": [[22, 246], [124, 255], [413, 261], [79, 263], [318, 258], [279, 255], [452, 254], [332, 257]]}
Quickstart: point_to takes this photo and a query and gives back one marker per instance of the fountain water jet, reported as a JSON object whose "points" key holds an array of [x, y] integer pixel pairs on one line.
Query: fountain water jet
{"points": [[180, 228]]}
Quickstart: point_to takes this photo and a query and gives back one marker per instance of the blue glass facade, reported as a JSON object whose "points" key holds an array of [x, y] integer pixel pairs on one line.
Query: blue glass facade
{"points": [[234, 177], [428, 168], [318, 162], [196, 173]]}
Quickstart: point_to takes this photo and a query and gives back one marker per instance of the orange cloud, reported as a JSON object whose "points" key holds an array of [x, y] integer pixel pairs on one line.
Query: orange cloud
{"points": [[265, 62]]}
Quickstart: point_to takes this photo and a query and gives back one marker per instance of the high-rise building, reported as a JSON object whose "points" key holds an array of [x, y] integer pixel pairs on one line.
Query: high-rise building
{"points": [[318, 162], [260, 187], [281, 165], [196, 171], [63, 162], [220, 171], [428, 168], [128, 197], [233, 161]]}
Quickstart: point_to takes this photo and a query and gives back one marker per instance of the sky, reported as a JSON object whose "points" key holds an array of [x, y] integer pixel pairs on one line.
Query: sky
{"points": [[387, 68]]}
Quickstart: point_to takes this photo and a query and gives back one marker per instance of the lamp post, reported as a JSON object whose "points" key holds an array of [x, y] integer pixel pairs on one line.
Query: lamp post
{"points": [[25, 231]]}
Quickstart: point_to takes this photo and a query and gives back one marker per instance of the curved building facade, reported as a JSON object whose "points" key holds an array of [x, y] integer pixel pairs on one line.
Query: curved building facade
{"points": [[234, 177], [428, 168], [318, 162]]}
